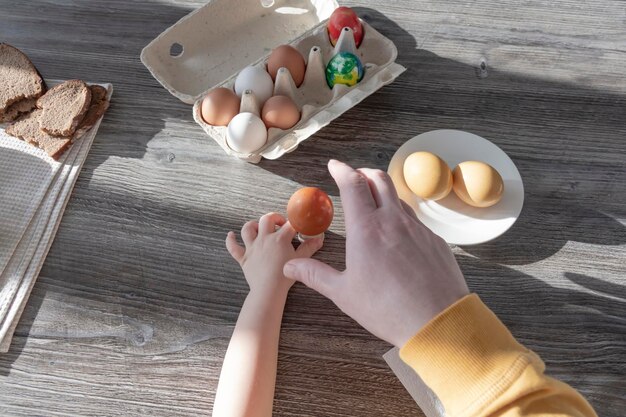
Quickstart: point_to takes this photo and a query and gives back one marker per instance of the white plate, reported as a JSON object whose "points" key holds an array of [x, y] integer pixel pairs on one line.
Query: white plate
{"points": [[450, 218]]}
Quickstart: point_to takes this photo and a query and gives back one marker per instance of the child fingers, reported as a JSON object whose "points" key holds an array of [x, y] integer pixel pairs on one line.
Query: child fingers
{"points": [[234, 248], [249, 232], [268, 223], [309, 247], [287, 232]]}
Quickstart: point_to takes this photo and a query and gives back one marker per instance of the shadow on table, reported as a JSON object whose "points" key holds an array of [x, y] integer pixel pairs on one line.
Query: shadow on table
{"points": [[434, 93], [128, 306], [530, 118]]}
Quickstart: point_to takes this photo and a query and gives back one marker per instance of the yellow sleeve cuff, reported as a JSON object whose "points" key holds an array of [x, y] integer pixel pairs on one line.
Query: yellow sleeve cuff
{"points": [[467, 357]]}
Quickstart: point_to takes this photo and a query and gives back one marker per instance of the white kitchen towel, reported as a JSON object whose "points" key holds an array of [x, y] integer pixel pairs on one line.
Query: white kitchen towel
{"points": [[15, 265], [425, 398], [22, 268], [30, 253], [25, 175]]}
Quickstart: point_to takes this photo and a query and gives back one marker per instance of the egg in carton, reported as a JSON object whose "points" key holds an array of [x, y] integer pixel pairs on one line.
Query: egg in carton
{"points": [[317, 102]]}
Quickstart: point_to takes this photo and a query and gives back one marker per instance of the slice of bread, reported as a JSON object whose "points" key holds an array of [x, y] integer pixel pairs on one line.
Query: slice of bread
{"points": [[18, 77], [27, 129], [16, 109], [64, 107], [99, 104]]}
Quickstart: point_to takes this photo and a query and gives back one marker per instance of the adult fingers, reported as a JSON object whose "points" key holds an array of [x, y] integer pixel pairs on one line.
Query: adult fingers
{"points": [[249, 232], [314, 274], [409, 211], [309, 247], [381, 186], [269, 221], [356, 196], [234, 248]]}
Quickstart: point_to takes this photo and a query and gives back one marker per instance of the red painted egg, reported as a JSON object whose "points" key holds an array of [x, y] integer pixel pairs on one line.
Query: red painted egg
{"points": [[310, 211], [344, 17]]}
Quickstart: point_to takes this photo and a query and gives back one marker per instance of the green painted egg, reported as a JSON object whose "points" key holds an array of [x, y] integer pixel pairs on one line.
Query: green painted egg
{"points": [[344, 68]]}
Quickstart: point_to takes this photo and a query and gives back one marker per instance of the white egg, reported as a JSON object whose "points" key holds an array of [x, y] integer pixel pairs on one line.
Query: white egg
{"points": [[246, 133], [256, 79]]}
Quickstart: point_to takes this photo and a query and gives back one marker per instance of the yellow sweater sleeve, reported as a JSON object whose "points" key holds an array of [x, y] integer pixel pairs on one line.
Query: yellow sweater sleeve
{"points": [[470, 360]]}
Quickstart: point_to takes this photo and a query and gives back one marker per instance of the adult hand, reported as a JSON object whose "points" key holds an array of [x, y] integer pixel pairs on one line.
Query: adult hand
{"points": [[399, 275]]}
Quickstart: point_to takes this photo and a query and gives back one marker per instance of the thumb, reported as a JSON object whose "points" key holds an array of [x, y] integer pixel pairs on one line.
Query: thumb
{"points": [[314, 274]]}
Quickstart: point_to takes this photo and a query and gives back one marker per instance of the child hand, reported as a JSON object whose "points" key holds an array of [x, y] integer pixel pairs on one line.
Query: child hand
{"points": [[266, 252]]}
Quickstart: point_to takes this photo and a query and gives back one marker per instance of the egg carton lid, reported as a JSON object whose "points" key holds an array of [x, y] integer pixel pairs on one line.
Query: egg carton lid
{"points": [[209, 45]]}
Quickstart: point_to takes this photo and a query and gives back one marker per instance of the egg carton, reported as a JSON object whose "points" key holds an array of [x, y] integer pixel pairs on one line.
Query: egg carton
{"points": [[207, 49]]}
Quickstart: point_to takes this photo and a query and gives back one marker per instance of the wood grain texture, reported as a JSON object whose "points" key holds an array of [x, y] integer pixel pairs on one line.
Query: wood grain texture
{"points": [[133, 309]]}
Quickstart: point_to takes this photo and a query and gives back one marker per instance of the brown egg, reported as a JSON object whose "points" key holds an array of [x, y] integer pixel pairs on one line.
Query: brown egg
{"points": [[280, 112], [477, 184], [288, 57], [220, 106], [427, 175]]}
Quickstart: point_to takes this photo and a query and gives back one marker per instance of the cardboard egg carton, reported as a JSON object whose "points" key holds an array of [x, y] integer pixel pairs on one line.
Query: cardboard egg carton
{"points": [[207, 49]]}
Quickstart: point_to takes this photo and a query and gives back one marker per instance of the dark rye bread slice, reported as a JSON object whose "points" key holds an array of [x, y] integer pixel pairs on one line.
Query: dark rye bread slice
{"points": [[16, 109], [27, 129], [19, 78], [64, 107], [99, 104]]}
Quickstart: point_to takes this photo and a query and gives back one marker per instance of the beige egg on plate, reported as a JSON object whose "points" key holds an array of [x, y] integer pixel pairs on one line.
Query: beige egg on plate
{"points": [[477, 184], [427, 175]]}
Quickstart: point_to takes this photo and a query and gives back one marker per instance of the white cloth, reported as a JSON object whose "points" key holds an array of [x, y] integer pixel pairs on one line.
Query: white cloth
{"points": [[34, 190], [425, 398]]}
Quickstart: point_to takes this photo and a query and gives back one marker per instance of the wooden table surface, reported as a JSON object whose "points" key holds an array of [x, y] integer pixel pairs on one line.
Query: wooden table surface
{"points": [[133, 309]]}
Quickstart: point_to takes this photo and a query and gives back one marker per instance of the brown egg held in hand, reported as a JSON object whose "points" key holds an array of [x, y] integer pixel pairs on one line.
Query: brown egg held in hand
{"points": [[427, 175], [280, 112], [288, 57], [477, 184], [220, 106], [310, 211]]}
